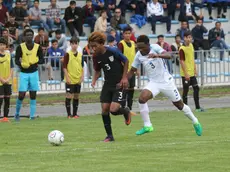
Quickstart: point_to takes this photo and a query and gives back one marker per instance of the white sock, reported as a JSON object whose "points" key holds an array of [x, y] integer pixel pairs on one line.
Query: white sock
{"points": [[144, 110], [187, 112]]}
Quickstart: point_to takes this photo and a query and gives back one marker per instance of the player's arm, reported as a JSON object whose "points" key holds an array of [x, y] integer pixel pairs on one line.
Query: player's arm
{"points": [[135, 66], [41, 59], [183, 65], [82, 64], [18, 56], [124, 81], [65, 63], [97, 72], [161, 53], [11, 71]]}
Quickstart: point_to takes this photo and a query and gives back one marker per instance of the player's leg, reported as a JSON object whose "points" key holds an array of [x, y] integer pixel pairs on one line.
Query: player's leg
{"points": [[23, 88], [196, 90], [117, 108], [106, 99], [130, 92], [69, 97], [1, 97], [33, 88], [173, 94], [7, 93], [77, 89], [150, 91], [185, 85]]}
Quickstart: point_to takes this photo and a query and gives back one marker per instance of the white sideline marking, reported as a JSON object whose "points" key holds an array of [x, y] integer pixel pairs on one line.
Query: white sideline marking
{"points": [[111, 148]]}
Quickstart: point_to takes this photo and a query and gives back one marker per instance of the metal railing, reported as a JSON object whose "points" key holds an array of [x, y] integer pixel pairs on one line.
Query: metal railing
{"points": [[213, 70]]}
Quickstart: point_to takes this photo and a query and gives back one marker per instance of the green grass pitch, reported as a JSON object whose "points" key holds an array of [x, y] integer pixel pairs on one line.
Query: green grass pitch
{"points": [[172, 147]]}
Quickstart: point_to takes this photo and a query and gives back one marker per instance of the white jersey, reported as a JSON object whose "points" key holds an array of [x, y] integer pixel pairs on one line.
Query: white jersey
{"points": [[155, 68]]}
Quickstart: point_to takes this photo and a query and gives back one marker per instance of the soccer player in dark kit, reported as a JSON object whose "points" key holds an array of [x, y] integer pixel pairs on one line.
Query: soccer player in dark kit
{"points": [[113, 94]]}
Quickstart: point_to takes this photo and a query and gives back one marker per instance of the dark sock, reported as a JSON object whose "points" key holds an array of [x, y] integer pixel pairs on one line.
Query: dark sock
{"points": [[130, 99], [75, 106], [67, 105], [107, 123], [196, 96], [6, 106], [1, 100]]}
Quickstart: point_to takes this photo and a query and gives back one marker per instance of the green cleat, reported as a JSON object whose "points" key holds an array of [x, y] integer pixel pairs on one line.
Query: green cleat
{"points": [[200, 110], [144, 130], [198, 128]]}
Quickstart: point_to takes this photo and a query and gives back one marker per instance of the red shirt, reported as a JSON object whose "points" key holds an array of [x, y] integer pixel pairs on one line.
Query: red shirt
{"points": [[3, 16]]}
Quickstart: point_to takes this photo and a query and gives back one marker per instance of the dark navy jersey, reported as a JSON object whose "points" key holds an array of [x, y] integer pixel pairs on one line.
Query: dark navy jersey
{"points": [[112, 63]]}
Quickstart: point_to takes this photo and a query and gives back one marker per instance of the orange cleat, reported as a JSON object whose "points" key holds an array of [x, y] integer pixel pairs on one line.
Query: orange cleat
{"points": [[5, 119], [76, 116]]}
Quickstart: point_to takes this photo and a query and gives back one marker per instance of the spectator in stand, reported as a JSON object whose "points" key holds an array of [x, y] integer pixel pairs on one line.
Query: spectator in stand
{"points": [[110, 5], [61, 38], [167, 48], [117, 19], [26, 4], [8, 4], [184, 28], [9, 40], [54, 55], [140, 7], [127, 4], [21, 16], [88, 14], [216, 38], [4, 15], [12, 26], [101, 23], [35, 16], [111, 41], [198, 39], [171, 6], [175, 48], [190, 13], [112, 31], [155, 13], [21, 37], [53, 16], [42, 39], [73, 18], [98, 4], [222, 7]]}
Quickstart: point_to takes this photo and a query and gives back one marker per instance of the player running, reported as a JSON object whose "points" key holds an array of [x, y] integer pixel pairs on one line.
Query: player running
{"points": [[152, 57], [113, 94], [28, 56]]}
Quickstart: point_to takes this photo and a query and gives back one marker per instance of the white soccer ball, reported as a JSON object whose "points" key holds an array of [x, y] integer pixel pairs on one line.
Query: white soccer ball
{"points": [[56, 137]]}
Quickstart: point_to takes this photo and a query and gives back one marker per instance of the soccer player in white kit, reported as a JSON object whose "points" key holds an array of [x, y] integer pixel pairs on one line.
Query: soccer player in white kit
{"points": [[152, 57]]}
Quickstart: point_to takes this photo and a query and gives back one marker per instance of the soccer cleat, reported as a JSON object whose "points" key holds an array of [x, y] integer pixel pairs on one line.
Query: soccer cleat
{"points": [[144, 130], [109, 139], [198, 128], [5, 119], [16, 117], [76, 116], [200, 110], [69, 117], [128, 117]]}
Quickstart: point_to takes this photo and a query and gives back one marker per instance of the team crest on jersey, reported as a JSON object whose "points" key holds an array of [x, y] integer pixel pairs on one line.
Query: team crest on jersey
{"points": [[111, 58]]}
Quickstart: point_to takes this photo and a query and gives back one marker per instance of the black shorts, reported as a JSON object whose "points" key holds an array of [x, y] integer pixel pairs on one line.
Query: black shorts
{"points": [[5, 90], [111, 94], [132, 81], [72, 88], [192, 81]]}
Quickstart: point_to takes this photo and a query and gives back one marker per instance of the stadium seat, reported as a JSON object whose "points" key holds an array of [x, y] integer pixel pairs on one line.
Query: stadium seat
{"points": [[222, 20], [211, 75]]}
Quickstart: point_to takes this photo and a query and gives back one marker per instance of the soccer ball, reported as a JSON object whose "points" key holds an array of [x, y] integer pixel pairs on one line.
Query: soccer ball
{"points": [[56, 137]]}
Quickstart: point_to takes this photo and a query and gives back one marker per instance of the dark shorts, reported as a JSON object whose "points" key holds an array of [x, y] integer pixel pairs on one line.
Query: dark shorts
{"points": [[192, 81], [5, 90], [72, 88], [132, 81], [111, 94]]}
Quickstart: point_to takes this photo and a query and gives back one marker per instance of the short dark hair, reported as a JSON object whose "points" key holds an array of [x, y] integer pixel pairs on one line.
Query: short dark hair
{"points": [[41, 28], [18, 1], [53, 41], [160, 36], [218, 22], [27, 31], [128, 28], [102, 11], [177, 36], [3, 30], [58, 32], [36, 1], [12, 14], [72, 3], [88, 0], [187, 33], [143, 38], [3, 41], [75, 40]]}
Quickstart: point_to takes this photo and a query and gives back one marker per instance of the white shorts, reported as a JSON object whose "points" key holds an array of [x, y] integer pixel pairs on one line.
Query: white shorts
{"points": [[169, 89]]}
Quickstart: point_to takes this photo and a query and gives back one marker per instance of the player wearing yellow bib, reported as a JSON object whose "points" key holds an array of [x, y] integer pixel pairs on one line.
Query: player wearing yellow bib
{"points": [[28, 56], [127, 47], [188, 71], [6, 72], [73, 69]]}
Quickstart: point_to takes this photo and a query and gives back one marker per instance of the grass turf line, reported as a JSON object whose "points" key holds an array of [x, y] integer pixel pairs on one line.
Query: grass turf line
{"points": [[172, 147]]}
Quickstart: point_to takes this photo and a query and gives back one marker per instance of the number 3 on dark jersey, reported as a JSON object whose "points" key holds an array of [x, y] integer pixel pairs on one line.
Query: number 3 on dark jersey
{"points": [[107, 67]]}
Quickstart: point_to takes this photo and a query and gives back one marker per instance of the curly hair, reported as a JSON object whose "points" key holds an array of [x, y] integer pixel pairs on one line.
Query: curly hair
{"points": [[97, 37]]}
